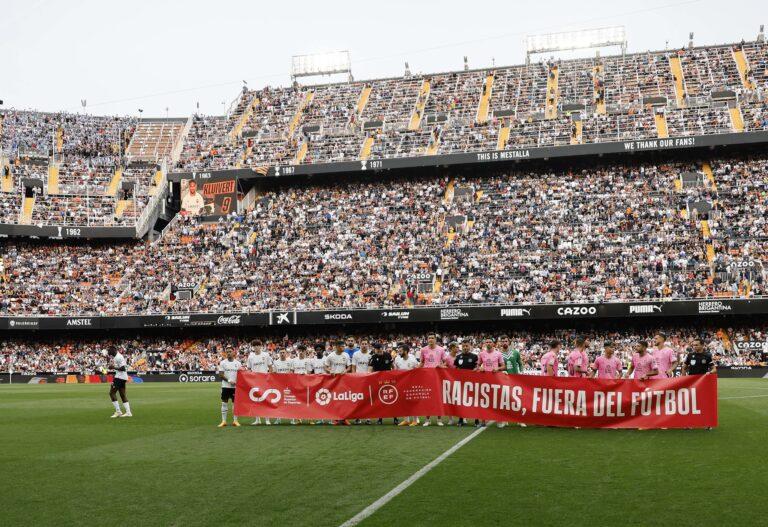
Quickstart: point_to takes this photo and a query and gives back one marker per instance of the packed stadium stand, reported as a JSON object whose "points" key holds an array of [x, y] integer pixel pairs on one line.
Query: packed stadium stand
{"points": [[607, 233], [649, 228], [202, 353], [56, 159]]}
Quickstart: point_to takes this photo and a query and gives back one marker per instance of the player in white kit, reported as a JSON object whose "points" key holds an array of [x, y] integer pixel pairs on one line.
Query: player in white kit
{"points": [[317, 366], [118, 383], [406, 361], [299, 365], [360, 362], [228, 373], [259, 361], [282, 364], [337, 363]]}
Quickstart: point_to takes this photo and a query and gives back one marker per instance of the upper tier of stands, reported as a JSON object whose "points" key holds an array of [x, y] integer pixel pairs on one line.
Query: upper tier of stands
{"points": [[72, 168], [707, 90]]}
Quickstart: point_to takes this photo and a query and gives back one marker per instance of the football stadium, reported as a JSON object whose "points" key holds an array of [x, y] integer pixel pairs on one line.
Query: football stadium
{"points": [[426, 264]]}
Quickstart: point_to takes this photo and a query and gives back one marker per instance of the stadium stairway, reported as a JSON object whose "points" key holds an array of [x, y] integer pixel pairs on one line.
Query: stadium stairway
{"points": [[707, 169], [114, 184], [243, 118], [600, 101], [301, 153], [25, 218], [53, 179], [503, 136], [661, 125], [677, 72], [449, 190], [552, 94], [59, 139], [485, 100], [434, 143], [299, 112], [362, 101], [743, 67], [576, 136], [365, 150], [6, 181], [121, 207], [418, 109], [737, 121], [156, 181]]}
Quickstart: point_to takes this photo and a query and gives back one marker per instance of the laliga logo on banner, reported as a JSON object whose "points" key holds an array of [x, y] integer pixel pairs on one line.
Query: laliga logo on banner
{"points": [[256, 398], [323, 396]]}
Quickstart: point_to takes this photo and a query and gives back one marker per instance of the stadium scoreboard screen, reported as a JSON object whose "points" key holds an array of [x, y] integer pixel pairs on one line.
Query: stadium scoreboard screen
{"points": [[215, 196]]}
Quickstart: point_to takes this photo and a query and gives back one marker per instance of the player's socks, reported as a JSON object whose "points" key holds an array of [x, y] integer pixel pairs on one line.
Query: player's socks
{"points": [[223, 412], [117, 407], [256, 421], [127, 407], [267, 421]]}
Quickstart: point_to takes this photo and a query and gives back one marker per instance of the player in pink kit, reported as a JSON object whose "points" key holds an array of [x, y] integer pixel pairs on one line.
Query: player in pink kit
{"points": [[666, 357], [578, 360], [432, 356], [643, 365], [607, 365], [550, 360], [490, 359]]}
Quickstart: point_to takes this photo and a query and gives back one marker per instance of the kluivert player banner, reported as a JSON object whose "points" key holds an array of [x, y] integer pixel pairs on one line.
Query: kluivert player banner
{"points": [[681, 402]]}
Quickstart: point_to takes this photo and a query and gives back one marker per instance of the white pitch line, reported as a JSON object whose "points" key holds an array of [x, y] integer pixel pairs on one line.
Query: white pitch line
{"points": [[741, 397], [386, 498]]}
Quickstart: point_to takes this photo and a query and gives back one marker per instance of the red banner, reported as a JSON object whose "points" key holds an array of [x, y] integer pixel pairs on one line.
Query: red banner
{"points": [[681, 402]]}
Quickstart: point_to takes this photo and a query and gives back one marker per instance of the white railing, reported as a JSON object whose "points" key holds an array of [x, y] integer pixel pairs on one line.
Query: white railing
{"points": [[154, 202]]}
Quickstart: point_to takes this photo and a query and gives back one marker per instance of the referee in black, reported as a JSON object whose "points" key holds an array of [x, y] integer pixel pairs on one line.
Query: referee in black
{"points": [[380, 361], [698, 361], [465, 360]]}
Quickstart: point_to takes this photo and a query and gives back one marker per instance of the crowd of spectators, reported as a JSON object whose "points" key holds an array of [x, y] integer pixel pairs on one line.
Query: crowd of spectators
{"points": [[72, 164], [604, 233], [85, 355]]}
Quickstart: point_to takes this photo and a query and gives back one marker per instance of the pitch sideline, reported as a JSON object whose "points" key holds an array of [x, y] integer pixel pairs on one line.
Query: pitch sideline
{"points": [[386, 498]]}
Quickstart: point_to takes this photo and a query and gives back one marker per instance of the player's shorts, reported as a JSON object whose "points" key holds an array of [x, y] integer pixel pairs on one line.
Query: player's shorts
{"points": [[228, 394], [118, 383]]}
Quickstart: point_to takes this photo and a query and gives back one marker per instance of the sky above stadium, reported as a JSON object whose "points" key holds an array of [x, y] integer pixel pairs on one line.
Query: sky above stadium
{"points": [[166, 57]]}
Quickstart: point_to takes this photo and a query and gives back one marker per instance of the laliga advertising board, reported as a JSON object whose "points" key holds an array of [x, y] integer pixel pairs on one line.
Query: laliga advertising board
{"points": [[681, 402]]}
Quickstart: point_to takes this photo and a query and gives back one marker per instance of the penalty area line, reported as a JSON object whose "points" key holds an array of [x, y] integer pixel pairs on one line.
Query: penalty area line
{"points": [[386, 498]]}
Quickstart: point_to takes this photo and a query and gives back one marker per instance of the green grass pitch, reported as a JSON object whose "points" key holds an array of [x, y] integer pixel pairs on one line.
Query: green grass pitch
{"points": [[64, 462]]}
